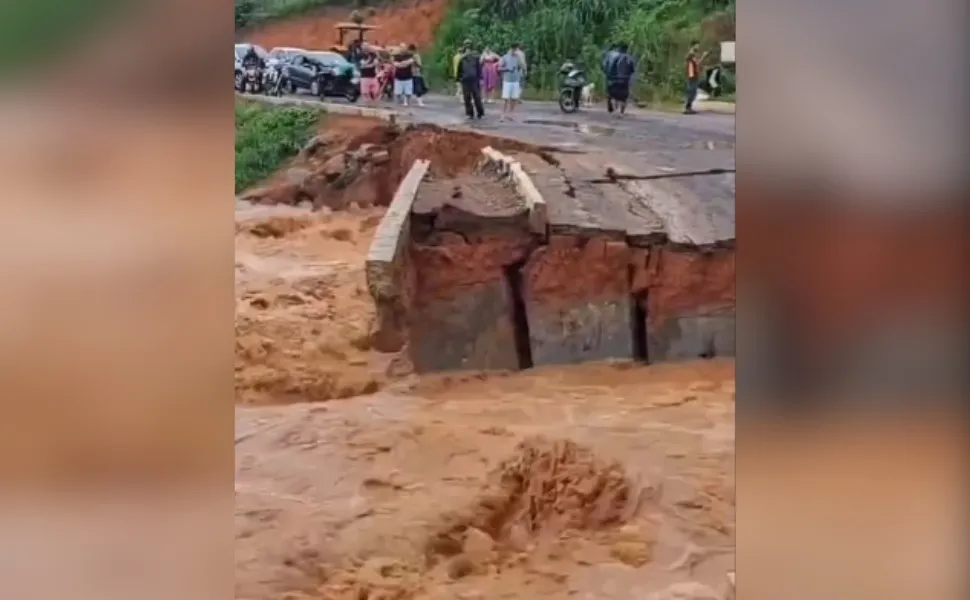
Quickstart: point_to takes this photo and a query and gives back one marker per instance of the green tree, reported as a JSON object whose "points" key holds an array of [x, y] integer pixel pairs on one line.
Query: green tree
{"points": [[553, 31]]}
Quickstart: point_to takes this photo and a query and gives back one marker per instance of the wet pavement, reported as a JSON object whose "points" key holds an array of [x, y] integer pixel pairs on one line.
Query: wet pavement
{"points": [[637, 131], [671, 140]]}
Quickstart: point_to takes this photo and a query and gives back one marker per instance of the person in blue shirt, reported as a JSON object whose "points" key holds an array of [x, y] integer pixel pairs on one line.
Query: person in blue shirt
{"points": [[512, 69]]}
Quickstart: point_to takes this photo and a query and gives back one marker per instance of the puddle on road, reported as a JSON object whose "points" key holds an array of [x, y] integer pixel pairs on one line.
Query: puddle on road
{"points": [[584, 128]]}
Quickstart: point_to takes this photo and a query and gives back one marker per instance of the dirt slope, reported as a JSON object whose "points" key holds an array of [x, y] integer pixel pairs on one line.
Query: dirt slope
{"points": [[411, 21]]}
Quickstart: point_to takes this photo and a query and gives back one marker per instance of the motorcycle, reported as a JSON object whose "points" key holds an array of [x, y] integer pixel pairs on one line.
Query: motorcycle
{"points": [[571, 90], [273, 80], [252, 80]]}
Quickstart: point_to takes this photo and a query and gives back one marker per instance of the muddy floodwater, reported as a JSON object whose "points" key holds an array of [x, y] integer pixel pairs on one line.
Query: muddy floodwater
{"points": [[596, 481], [358, 480]]}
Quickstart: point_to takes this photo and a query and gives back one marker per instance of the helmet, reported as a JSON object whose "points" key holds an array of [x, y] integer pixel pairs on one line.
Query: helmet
{"points": [[567, 67]]}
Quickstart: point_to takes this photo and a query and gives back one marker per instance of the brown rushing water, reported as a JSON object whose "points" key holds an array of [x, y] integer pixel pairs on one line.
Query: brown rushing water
{"points": [[335, 497], [596, 481]]}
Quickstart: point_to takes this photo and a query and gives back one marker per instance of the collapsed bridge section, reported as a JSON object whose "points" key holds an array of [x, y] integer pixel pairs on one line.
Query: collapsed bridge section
{"points": [[555, 259]]}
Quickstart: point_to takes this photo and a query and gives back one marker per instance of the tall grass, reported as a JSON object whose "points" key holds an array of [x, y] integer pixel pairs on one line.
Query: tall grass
{"points": [[266, 137], [553, 31]]}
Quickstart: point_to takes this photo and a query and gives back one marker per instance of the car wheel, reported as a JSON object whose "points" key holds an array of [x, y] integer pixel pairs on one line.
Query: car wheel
{"points": [[315, 88], [238, 82]]}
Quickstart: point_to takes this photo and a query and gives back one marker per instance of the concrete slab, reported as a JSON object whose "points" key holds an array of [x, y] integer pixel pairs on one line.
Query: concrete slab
{"points": [[577, 301], [688, 337], [389, 276], [472, 205], [581, 333], [534, 202], [695, 210], [471, 330]]}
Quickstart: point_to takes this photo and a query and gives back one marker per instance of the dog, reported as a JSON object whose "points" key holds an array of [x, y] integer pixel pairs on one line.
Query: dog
{"points": [[586, 95]]}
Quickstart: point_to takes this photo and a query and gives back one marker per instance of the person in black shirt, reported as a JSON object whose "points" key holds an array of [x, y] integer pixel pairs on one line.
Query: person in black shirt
{"points": [[620, 70], [369, 87], [470, 76], [252, 59], [420, 88], [403, 76]]}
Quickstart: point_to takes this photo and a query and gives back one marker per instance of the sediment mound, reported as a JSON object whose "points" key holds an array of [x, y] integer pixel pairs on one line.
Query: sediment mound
{"points": [[361, 161], [548, 486]]}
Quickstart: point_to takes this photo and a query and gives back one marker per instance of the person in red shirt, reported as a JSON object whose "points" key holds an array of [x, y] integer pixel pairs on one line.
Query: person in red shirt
{"points": [[693, 63]]}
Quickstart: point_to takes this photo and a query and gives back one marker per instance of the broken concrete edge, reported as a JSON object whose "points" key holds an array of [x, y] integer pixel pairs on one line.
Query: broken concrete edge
{"points": [[327, 107], [392, 236], [534, 202], [678, 229]]}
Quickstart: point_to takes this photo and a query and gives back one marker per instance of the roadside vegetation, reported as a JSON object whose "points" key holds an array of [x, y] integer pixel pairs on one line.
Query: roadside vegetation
{"points": [[252, 12], [553, 31], [266, 136]]}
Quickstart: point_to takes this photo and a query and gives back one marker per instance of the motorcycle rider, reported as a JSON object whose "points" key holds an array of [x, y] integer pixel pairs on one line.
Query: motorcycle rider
{"points": [[252, 59]]}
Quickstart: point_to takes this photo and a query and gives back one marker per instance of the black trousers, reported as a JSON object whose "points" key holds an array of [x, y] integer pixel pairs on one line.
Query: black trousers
{"points": [[471, 91]]}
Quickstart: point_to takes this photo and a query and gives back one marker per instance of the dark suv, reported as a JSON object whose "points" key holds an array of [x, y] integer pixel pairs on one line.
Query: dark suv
{"points": [[323, 74]]}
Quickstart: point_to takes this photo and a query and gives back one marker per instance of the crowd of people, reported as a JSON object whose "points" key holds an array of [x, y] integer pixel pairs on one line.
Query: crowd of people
{"points": [[619, 67], [484, 75], [397, 72]]}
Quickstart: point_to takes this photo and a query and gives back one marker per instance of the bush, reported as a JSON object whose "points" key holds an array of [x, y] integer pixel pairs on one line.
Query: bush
{"points": [[251, 12], [266, 137], [553, 31], [245, 12]]}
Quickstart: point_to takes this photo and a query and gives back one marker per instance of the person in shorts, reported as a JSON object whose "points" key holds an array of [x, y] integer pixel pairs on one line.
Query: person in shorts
{"points": [[511, 68], [369, 86], [403, 75]]}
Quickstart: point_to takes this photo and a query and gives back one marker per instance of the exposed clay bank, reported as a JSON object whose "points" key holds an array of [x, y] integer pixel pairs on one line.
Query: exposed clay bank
{"points": [[555, 259]]}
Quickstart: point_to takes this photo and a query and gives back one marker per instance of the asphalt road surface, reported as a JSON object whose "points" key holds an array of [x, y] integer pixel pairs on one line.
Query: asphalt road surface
{"points": [[671, 140]]}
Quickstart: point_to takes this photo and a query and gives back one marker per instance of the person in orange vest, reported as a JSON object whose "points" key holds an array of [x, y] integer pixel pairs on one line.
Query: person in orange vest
{"points": [[693, 63]]}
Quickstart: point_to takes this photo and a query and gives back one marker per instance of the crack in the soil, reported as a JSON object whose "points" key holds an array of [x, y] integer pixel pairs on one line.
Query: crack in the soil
{"points": [[612, 176]]}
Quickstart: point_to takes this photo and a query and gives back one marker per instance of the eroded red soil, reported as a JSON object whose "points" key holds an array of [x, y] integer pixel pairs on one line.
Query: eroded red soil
{"points": [[682, 282], [407, 22], [362, 160], [568, 270]]}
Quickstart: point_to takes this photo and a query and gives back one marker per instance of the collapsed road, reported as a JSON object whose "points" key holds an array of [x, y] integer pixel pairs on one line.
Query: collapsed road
{"points": [[356, 479], [556, 258]]}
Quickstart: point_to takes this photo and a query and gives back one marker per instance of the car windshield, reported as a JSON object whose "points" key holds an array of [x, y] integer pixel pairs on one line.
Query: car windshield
{"points": [[329, 58]]}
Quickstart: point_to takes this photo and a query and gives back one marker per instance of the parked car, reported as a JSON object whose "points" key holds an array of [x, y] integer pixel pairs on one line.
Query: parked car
{"points": [[284, 54], [240, 52], [323, 74]]}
